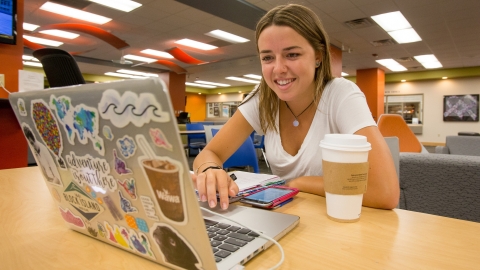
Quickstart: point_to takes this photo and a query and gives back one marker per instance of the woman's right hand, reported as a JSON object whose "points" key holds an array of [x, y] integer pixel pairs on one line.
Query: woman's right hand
{"points": [[210, 182]]}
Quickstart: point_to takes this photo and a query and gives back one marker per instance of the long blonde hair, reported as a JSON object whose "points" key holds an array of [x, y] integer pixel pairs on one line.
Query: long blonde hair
{"points": [[305, 22]]}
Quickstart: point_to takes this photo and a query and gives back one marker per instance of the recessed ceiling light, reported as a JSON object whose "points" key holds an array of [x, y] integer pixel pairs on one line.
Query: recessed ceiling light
{"points": [[213, 83], [444, 78], [242, 80], [29, 26], [226, 36], [157, 53], [133, 72], [74, 13], [344, 74], [33, 64], [123, 5], [391, 64], [139, 58], [195, 44], [123, 75], [397, 27], [219, 93], [43, 41], [403, 80], [200, 85], [428, 61], [60, 33], [253, 76]]}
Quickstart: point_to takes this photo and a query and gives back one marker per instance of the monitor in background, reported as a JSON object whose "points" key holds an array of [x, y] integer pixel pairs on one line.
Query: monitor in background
{"points": [[8, 21]]}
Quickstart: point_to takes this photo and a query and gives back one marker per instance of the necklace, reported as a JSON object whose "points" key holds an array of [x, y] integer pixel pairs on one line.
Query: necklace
{"points": [[295, 122]]}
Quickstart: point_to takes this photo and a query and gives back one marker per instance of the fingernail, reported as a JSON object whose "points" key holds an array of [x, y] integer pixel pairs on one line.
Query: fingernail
{"points": [[204, 198], [212, 203], [224, 206]]}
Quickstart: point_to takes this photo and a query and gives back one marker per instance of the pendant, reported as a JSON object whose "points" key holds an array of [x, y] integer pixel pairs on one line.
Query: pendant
{"points": [[295, 123]]}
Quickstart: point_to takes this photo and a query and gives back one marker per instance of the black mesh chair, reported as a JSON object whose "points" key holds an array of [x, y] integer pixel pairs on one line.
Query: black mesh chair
{"points": [[60, 67]]}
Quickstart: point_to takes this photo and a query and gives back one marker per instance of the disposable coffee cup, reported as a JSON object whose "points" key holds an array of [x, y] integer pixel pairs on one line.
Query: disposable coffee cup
{"points": [[345, 174], [164, 178]]}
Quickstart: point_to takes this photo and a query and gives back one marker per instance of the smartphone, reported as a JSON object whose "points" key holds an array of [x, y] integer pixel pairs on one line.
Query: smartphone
{"points": [[270, 197]]}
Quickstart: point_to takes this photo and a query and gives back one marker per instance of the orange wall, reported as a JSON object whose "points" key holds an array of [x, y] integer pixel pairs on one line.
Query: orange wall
{"points": [[336, 61], [196, 106], [13, 146]]}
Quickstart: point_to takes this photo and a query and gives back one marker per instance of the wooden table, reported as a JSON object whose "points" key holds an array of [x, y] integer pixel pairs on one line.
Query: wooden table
{"points": [[34, 236]]}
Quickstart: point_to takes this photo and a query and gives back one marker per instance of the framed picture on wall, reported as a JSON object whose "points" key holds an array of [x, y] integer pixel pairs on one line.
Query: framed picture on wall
{"points": [[216, 111], [460, 108]]}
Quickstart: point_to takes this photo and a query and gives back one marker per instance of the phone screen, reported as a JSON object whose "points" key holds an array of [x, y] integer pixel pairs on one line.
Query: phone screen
{"points": [[268, 195]]}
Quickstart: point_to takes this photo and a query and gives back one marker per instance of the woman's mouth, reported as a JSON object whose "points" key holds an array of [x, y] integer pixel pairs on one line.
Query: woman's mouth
{"points": [[283, 82]]}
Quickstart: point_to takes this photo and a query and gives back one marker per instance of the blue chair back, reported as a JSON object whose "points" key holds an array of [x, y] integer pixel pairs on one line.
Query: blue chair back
{"points": [[244, 156], [259, 141], [196, 141]]}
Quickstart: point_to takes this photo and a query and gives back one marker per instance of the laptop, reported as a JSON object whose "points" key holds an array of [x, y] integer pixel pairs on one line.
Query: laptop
{"points": [[112, 158]]}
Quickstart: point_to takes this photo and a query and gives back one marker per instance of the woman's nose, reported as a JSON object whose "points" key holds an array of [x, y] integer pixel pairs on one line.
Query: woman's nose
{"points": [[280, 66]]}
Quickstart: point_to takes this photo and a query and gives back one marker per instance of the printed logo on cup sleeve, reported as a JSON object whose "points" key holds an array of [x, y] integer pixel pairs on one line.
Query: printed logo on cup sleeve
{"points": [[345, 178]]}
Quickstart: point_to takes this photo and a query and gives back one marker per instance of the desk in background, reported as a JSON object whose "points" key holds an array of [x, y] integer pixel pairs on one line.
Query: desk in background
{"points": [[34, 236]]}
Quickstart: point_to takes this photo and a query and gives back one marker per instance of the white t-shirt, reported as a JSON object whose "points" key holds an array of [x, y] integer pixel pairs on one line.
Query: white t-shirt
{"points": [[342, 109]]}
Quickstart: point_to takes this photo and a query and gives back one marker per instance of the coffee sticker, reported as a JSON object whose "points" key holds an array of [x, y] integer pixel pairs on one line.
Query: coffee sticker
{"points": [[345, 178]]}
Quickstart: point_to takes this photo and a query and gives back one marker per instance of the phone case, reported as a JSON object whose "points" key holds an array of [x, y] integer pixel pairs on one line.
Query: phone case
{"points": [[279, 200]]}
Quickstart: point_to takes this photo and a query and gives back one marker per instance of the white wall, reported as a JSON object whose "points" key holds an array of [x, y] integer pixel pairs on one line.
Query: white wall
{"points": [[434, 128], [224, 97]]}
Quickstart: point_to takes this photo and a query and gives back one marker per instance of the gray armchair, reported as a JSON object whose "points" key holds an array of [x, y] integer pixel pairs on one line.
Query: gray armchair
{"points": [[460, 145], [444, 185]]}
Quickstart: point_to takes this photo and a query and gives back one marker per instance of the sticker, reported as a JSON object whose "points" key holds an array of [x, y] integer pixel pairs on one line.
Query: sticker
{"points": [[131, 222], [159, 139], [140, 243], [113, 208], [149, 207], [69, 217], [92, 231], [80, 120], [21, 107], [127, 146], [55, 195], [47, 127], [125, 204], [120, 165], [130, 107], [142, 224], [107, 132], [174, 248], [166, 180], [87, 207], [129, 187], [121, 236], [89, 171], [110, 235], [101, 230], [43, 157]]}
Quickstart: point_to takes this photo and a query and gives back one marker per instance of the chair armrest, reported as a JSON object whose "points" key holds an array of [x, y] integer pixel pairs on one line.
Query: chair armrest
{"points": [[441, 150]]}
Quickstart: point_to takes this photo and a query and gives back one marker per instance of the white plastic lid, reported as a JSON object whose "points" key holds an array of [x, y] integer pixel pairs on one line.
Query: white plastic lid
{"points": [[346, 142]]}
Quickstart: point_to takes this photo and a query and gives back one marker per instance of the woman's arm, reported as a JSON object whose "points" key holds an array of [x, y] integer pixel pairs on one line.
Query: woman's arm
{"points": [[383, 190], [228, 139]]}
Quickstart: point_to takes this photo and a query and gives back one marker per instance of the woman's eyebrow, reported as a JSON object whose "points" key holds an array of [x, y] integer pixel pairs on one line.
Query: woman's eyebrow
{"points": [[286, 49]]}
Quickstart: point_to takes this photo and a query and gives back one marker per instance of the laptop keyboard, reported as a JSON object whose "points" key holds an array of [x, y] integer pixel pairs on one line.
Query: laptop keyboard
{"points": [[226, 239]]}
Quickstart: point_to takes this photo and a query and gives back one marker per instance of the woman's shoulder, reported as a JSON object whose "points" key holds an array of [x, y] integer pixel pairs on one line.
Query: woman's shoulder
{"points": [[342, 83]]}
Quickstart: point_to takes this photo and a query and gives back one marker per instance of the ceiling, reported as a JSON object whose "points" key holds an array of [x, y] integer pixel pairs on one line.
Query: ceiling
{"points": [[449, 29]]}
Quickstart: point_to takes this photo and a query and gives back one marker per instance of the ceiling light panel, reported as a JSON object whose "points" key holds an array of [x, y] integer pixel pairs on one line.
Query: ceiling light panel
{"points": [[391, 64], [133, 72], [428, 61], [157, 53], [344, 74], [29, 26], [140, 58], [226, 36], [114, 74], [74, 13], [213, 83], [200, 85], [123, 5], [43, 41], [242, 80], [397, 27], [32, 64], [253, 76], [195, 44], [60, 33], [405, 36]]}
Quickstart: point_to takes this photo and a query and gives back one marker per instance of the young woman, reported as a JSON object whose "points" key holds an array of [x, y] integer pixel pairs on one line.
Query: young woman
{"points": [[297, 102]]}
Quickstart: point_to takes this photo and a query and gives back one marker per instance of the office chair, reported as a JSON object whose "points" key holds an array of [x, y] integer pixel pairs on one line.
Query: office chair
{"points": [[244, 156], [183, 118], [259, 143], [208, 131], [393, 125], [60, 67], [196, 141]]}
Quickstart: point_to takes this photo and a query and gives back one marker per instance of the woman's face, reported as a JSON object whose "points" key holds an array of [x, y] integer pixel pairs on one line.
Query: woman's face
{"points": [[288, 62]]}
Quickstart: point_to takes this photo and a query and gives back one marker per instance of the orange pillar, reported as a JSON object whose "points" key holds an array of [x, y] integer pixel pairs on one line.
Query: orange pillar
{"points": [[13, 146], [336, 61], [176, 88], [372, 83]]}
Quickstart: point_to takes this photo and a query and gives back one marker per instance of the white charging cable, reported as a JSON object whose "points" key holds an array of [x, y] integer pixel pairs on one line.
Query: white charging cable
{"points": [[255, 231], [1, 84]]}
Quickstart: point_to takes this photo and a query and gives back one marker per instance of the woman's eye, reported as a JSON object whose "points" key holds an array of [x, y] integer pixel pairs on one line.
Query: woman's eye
{"points": [[267, 58], [293, 55]]}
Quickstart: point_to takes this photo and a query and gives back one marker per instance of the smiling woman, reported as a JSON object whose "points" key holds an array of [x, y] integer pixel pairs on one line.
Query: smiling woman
{"points": [[297, 87]]}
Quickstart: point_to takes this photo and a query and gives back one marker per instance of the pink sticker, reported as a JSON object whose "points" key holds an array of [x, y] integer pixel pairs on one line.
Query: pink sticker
{"points": [[159, 139], [69, 217]]}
